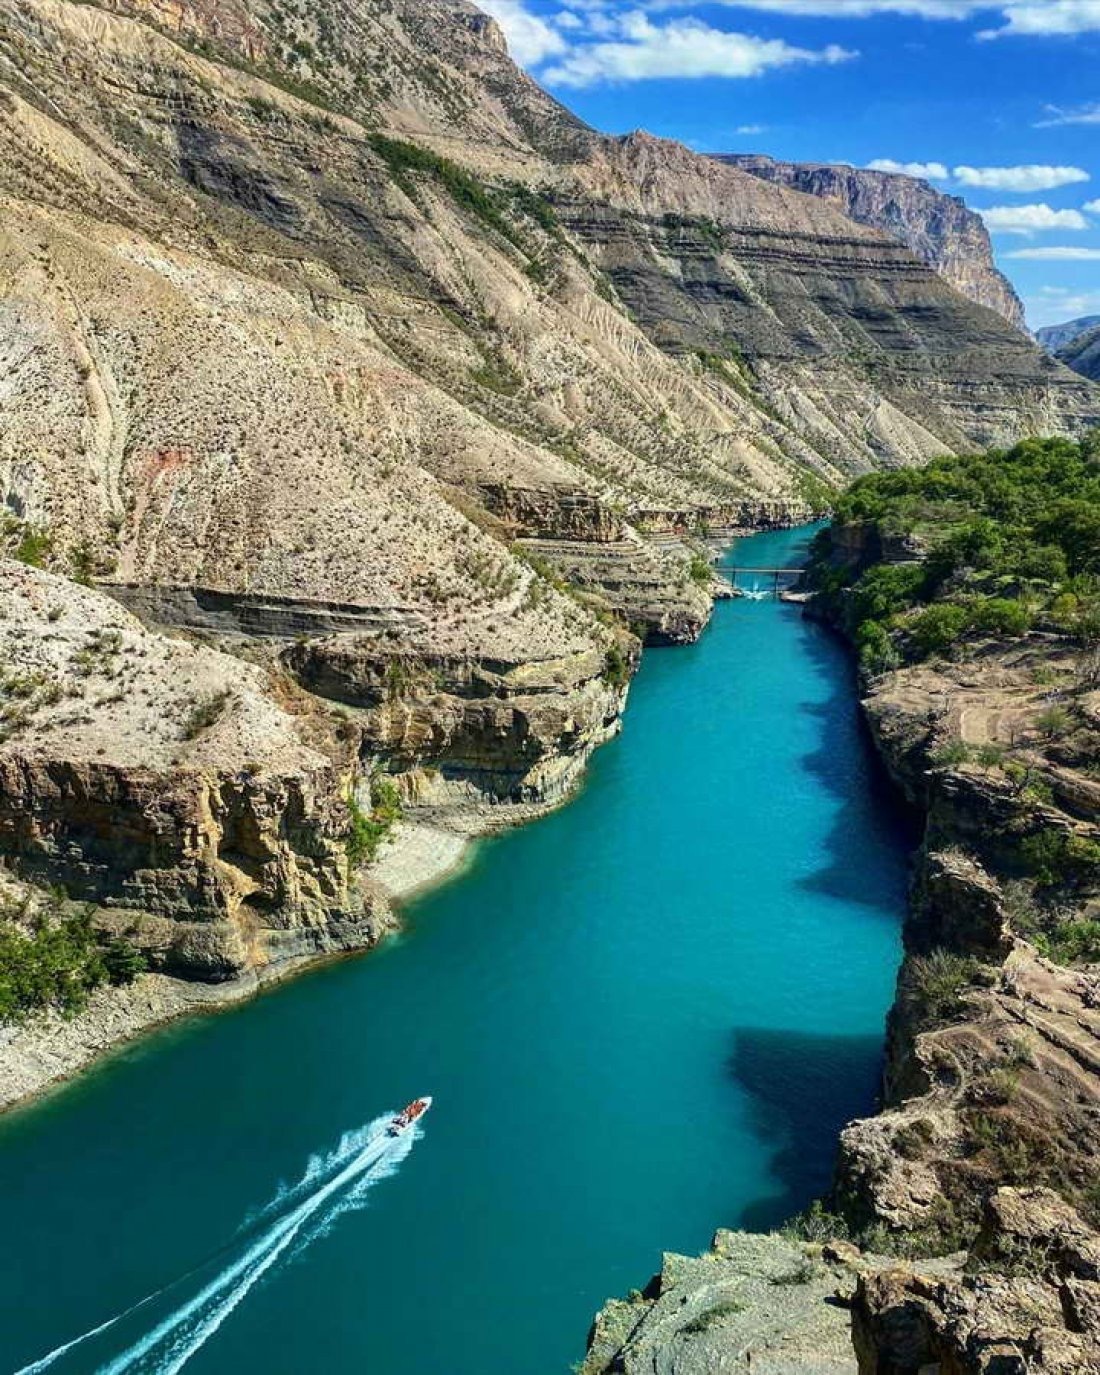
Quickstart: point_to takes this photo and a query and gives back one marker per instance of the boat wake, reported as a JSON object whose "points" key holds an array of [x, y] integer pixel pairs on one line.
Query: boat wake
{"points": [[333, 1183]]}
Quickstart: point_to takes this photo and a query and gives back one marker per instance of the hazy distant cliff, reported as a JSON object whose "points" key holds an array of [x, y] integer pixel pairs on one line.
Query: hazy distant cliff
{"points": [[939, 228], [1076, 343]]}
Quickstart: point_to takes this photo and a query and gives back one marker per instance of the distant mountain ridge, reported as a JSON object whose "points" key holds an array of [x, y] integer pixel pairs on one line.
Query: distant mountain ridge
{"points": [[1056, 337], [1075, 343], [940, 229], [1082, 354]]}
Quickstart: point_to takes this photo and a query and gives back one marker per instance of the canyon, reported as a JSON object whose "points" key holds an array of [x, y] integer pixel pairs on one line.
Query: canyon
{"points": [[363, 414]]}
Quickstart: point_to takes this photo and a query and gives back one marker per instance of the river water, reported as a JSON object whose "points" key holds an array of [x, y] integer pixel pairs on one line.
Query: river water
{"points": [[642, 1017]]}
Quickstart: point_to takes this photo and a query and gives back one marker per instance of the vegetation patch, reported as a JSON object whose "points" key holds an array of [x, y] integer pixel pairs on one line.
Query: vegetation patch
{"points": [[935, 984], [205, 713], [367, 829], [700, 571], [704, 1321], [1000, 544], [407, 160], [52, 957], [616, 668]]}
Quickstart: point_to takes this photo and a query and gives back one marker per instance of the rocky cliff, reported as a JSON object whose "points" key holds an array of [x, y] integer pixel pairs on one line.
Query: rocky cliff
{"points": [[940, 229], [196, 799], [972, 1194]]}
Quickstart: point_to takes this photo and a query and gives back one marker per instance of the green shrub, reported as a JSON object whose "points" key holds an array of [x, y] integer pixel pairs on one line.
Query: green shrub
{"points": [[53, 959], [817, 1223], [34, 547], [951, 753], [1074, 942], [936, 983], [702, 1322], [877, 651], [700, 570], [367, 830], [1055, 857], [999, 616], [936, 628], [885, 590], [616, 668], [205, 713], [1053, 721], [990, 755]]}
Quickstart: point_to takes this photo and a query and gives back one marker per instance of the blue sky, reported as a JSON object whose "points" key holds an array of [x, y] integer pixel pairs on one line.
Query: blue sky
{"points": [[997, 102]]}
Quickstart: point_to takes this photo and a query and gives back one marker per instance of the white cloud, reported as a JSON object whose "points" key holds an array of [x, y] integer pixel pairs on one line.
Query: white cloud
{"points": [[1030, 177], [858, 9], [1027, 219], [1056, 116], [531, 40], [1046, 17], [680, 48], [1053, 304], [585, 42], [1093, 207], [1034, 18], [927, 171], [750, 128], [1058, 255]]}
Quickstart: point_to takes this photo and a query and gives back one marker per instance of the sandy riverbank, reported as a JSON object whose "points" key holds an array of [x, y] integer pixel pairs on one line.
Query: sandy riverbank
{"points": [[49, 1049]]}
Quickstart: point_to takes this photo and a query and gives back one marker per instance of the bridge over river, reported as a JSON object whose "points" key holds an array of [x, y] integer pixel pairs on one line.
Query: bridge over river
{"points": [[748, 580]]}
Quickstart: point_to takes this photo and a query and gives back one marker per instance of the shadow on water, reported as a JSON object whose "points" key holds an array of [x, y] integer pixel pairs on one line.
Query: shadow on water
{"points": [[871, 814], [805, 1088]]}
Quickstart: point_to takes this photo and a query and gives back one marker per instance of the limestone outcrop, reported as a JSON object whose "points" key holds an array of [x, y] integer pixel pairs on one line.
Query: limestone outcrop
{"points": [[994, 1076], [761, 1304], [1027, 1300], [499, 729], [940, 229], [168, 784]]}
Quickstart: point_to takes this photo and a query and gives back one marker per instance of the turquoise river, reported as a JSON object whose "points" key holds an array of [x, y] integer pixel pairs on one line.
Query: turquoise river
{"points": [[642, 1017]]}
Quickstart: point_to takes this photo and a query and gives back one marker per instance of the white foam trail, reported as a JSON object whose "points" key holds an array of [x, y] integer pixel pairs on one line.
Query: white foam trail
{"points": [[361, 1159], [190, 1342]]}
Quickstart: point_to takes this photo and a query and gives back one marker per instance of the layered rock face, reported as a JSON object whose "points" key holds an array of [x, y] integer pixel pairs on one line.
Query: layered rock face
{"points": [[190, 183], [1027, 1300], [514, 730], [999, 1079], [940, 229], [168, 784]]}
